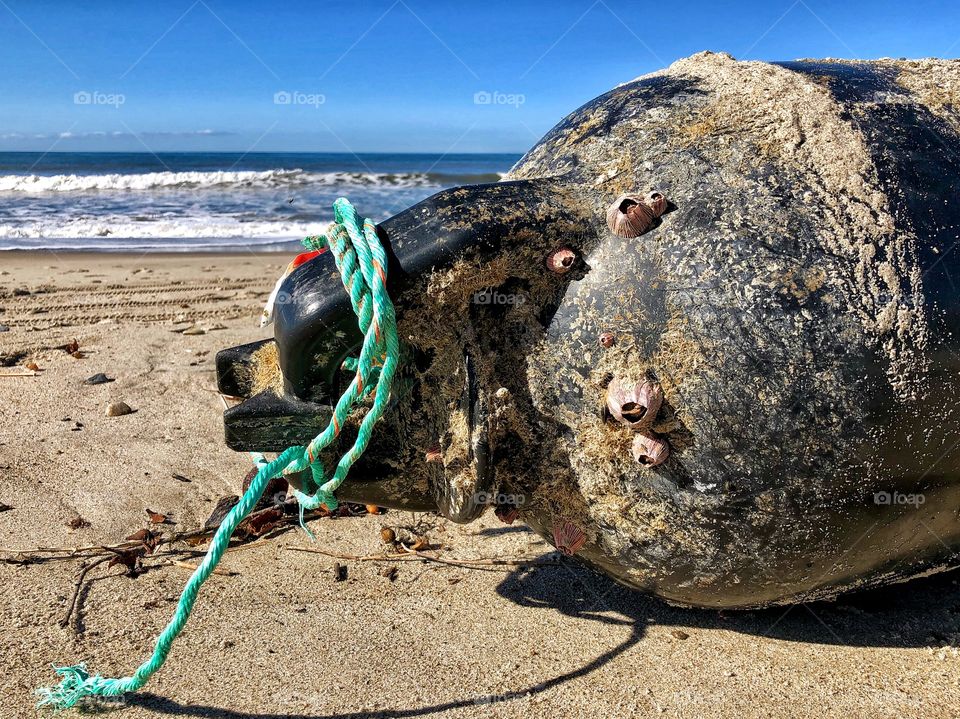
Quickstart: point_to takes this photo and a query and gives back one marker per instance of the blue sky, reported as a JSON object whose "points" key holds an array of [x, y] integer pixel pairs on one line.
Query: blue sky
{"points": [[386, 75]]}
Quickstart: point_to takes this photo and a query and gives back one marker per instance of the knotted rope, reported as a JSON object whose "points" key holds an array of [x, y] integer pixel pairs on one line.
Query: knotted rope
{"points": [[362, 263]]}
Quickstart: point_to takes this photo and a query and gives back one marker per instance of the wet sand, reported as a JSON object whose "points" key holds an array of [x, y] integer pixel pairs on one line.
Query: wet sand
{"points": [[281, 638]]}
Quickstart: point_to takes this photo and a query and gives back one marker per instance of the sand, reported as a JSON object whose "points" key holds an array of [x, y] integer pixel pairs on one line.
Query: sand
{"points": [[280, 638]]}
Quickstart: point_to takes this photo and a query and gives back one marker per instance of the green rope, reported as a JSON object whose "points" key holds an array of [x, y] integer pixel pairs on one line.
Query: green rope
{"points": [[362, 263]]}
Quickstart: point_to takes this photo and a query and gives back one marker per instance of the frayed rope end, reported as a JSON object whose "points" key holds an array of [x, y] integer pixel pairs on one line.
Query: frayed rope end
{"points": [[77, 684], [72, 688], [322, 498], [303, 526]]}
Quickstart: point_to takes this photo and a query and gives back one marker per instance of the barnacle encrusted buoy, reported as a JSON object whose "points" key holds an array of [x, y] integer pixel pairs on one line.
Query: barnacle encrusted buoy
{"points": [[766, 357]]}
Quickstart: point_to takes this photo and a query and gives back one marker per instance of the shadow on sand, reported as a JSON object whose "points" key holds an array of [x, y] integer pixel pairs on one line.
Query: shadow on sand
{"points": [[921, 613]]}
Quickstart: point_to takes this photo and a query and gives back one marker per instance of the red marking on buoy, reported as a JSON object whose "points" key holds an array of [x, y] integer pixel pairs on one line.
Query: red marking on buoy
{"points": [[305, 257]]}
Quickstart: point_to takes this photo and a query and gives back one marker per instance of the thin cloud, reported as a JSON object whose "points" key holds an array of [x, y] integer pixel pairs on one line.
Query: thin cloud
{"points": [[207, 132]]}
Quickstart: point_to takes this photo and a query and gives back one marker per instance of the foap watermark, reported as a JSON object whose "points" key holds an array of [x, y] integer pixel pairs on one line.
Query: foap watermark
{"points": [[283, 298], [499, 498], [898, 498], [110, 99], [514, 99], [297, 97], [886, 97], [493, 297]]}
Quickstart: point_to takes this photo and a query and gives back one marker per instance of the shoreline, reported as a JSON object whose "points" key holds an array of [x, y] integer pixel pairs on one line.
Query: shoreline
{"points": [[291, 247], [151, 251], [128, 254], [211, 201]]}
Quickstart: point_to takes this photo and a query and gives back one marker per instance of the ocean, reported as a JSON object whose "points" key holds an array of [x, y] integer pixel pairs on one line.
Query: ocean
{"points": [[211, 201]]}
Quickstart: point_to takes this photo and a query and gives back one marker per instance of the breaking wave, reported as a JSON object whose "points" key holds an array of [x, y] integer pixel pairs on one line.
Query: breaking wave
{"points": [[109, 231], [228, 179]]}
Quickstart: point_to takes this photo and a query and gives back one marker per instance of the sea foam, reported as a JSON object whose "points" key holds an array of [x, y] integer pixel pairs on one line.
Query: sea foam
{"points": [[224, 180]]}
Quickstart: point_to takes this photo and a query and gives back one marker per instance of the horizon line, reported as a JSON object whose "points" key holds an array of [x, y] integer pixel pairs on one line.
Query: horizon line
{"points": [[257, 152]]}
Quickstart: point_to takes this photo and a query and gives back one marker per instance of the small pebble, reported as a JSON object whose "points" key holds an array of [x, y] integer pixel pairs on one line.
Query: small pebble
{"points": [[390, 573], [194, 331], [117, 409], [678, 634], [32, 366], [4, 328], [98, 378]]}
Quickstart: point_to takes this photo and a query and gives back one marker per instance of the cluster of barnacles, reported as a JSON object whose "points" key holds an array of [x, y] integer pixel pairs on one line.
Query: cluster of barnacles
{"points": [[636, 405]]}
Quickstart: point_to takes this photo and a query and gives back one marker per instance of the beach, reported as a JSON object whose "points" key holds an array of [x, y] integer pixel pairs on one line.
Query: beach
{"points": [[275, 635]]}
